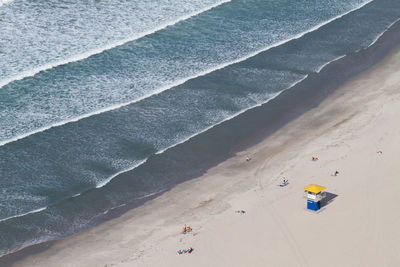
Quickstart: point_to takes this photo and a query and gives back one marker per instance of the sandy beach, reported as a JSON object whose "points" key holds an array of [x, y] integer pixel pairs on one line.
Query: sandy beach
{"points": [[358, 227]]}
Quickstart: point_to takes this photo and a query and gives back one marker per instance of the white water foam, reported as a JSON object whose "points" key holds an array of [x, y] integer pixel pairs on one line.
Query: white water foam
{"points": [[23, 214], [33, 72], [113, 208], [3, 2], [107, 180], [178, 82], [329, 62], [28, 244], [382, 33], [150, 194]]}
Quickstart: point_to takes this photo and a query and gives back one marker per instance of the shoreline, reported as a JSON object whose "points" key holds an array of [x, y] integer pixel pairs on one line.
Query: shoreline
{"points": [[252, 143]]}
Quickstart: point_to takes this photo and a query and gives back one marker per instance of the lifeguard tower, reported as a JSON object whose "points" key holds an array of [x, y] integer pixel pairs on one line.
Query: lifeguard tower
{"points": [[314, 196]]}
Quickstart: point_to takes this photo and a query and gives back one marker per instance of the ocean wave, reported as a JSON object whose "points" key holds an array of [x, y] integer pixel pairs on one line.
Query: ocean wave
{"points": [[179, 82], [33, 72], [107, 180]]}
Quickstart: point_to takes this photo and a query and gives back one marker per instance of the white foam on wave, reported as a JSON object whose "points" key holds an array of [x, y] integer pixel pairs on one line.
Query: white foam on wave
{"points": [[382, 33], [33, 72], [107, 180], [150, 194], [329, 62], [3, 2], [23, 214], [113, 208], [180, 81]]}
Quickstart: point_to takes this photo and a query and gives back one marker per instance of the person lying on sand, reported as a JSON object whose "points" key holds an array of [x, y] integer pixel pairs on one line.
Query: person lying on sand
{"points": [[314, 158], [241, 212], [284, 183], [182, 251], [186, 229], [335, 173]]}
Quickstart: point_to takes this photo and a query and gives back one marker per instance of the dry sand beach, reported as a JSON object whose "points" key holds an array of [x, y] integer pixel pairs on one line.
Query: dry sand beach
{"points": [[358, 227]]}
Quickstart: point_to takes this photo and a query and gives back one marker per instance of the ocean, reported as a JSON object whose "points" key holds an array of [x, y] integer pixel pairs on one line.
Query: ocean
{"points": [[106, 104]]}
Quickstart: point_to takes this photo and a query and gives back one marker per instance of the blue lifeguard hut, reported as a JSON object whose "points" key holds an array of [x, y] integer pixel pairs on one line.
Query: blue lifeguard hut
{"points": [[314, 196]]}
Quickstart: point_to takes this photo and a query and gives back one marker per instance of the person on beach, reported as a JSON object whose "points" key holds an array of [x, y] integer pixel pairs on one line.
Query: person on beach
{"points": [[284, 183], [186, 229], [183, 251], [314, 158], [247, 158], [335, 173]]}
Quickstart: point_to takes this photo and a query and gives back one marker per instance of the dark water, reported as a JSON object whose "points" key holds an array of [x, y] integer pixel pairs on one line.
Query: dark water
{"points": [[91, 90]]}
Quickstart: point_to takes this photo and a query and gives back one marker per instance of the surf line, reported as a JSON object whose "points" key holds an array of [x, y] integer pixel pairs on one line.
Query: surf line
{"points": [[178, 82], [23, 214], [382, 33], [33, 72]]}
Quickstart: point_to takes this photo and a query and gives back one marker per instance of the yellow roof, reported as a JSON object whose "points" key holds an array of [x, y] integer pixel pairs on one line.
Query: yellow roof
{"points": [[314, 188]]}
